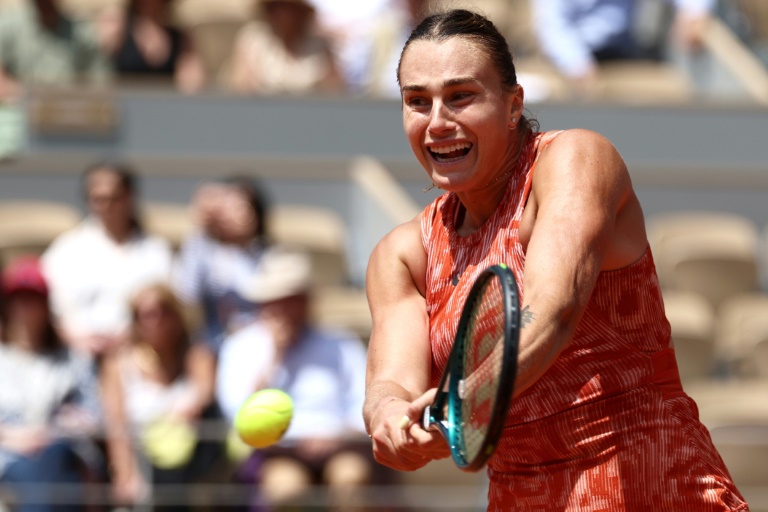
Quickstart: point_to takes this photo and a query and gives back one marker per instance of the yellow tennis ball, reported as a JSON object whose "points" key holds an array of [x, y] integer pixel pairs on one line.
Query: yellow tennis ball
{"points": [[263, 419]]}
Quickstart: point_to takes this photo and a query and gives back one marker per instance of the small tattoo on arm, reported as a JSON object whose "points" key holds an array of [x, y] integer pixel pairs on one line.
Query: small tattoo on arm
{"points": [[526, 316]]}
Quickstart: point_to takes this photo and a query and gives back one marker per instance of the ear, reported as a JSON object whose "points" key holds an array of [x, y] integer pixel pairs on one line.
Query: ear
{"points": [[516, 97]]}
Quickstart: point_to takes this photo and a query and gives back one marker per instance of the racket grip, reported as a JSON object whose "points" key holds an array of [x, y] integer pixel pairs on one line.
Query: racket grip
{"points": [[425, 418]]}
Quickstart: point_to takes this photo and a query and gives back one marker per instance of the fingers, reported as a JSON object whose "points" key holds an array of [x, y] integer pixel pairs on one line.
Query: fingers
{"points": [[409, 449], [389, 448], [415, 410], [398, 439]]}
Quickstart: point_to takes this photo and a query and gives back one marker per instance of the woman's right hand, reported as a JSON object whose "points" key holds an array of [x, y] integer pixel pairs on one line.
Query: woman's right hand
{"points": [[405, 449]]}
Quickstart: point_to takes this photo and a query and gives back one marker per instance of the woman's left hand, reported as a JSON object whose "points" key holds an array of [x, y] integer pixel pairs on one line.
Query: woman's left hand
{"points": [[409, 448]]}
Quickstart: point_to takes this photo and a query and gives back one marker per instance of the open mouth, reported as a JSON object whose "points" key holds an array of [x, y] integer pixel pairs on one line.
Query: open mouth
{"points": [[452, 153]]}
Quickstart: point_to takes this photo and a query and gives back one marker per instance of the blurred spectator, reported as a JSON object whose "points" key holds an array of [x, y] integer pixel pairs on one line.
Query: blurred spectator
{"points": [[231, 219], [324, 373], [155, 390], [48, 397], [39, 46], [348, 25], [95, 268], [389, 36], [283, 54], [142, 42], [577, 35]]}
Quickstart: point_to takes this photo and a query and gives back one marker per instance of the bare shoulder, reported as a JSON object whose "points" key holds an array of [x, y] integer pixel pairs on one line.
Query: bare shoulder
{"points": [[582, 160], [399, 257], [582, 178], [581, 143]]}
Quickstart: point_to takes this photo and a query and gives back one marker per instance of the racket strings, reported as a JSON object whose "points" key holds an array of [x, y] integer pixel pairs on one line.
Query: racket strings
{"points": [[483, 356]]}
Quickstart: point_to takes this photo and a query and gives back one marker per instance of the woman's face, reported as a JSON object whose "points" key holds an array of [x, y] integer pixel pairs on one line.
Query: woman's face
{"points": [[156, 322], [286, 18], [236, 221], [28, 309], [457, 115], [108, 199], [286, 318]]}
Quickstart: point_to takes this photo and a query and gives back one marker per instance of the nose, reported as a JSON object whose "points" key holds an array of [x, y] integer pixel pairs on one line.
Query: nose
{"points": [[440, 121]]}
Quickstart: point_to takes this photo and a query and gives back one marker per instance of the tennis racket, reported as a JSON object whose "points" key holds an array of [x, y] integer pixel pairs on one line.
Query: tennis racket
{"points": [[476, 387]]}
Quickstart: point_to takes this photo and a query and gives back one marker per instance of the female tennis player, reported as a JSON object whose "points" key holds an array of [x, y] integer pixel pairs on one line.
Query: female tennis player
{"points": [[599, 419]]}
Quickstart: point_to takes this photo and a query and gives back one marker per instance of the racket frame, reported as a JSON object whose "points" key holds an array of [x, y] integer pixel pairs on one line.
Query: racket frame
{"points": [[444, 414]]}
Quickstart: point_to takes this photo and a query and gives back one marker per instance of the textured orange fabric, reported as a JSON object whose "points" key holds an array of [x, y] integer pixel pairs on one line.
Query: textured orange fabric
{"points": [[608, 427]]}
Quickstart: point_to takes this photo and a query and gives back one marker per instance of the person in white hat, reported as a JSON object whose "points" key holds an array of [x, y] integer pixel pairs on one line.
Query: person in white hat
{"points": [[324, 373]]}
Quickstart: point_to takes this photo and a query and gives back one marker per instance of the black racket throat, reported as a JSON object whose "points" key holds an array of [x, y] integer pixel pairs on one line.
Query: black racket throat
{"points": [[480, 369]]}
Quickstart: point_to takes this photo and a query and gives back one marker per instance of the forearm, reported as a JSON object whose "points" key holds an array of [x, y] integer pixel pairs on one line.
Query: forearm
{"points": [[547, 327], [202, 372], [123, 464], [380, 393]]}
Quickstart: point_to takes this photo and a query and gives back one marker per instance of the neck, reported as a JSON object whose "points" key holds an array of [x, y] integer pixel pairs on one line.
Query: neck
{"points": [[119, 232], [480, 204], [25, 337], [164, 363]]}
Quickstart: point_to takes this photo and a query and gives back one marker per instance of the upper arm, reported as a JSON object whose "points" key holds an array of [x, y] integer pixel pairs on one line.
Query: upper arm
{"points": [[111, 391], [201, 366], [399, 347], [587, 219], [188, 270]]}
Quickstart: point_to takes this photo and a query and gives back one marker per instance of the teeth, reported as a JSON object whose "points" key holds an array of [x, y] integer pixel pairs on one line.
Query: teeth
{"points": [[452, 147]]}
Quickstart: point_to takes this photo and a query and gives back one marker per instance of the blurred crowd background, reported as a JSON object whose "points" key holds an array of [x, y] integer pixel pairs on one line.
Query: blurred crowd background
{"points": [[148, 290], [564, 49]]}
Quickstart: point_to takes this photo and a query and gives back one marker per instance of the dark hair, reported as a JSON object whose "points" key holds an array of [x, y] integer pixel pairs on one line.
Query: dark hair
{"points": [[254, 193], [170, 302], [128, 181], [132, 7], [52, 342], [463, 23]]}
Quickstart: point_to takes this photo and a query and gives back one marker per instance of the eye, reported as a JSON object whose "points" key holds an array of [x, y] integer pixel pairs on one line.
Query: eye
{"points": [[416, 102], [461, 97]]}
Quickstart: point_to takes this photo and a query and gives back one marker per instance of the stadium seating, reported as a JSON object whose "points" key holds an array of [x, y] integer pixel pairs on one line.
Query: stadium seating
{"points": [[742, 335], [28, 227], [172, 221], [711, 253], [214, 41], [693, 324], [736, 413], [319, 231]]}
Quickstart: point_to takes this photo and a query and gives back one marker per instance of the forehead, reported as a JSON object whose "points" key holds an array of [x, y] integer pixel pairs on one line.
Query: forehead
{"points": [[425, 62], [149, 295], [103, 179]]}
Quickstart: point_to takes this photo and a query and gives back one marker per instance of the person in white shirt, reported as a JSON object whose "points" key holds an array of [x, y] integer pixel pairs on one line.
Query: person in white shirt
{"points": [[323, 372], [349, 25], [577, 35], [95, 268]]}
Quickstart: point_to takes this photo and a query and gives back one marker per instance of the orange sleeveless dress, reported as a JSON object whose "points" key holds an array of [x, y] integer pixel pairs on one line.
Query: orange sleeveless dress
{"points": [[608, 426]]}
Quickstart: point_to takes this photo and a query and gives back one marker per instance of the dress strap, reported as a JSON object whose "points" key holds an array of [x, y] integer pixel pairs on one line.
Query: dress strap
{"points": [[542, 142]]}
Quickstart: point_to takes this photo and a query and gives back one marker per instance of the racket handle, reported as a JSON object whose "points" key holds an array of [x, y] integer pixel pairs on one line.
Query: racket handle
{"points": [[425, 419]]}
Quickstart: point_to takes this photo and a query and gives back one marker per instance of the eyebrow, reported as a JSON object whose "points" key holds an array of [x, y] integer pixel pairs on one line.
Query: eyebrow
{"points": [[451, 82]]}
